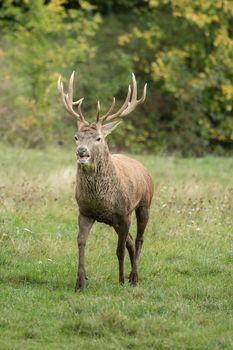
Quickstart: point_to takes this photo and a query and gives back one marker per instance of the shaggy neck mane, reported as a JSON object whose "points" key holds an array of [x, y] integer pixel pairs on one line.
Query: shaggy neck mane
{"points": [[96, 179]]}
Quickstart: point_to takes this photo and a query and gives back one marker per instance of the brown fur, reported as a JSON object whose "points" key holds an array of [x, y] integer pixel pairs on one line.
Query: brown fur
{"points": [[109, 191]]}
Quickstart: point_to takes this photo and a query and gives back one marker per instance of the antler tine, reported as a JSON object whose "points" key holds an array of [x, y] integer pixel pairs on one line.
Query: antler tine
{"points": [[98, 112], [79, 102], [142, 99], [109, 117], [135, 103], [61, 89], [109, 111], [67, 99], [70, 86], [134, 91], [129, 105], [70, 108]]}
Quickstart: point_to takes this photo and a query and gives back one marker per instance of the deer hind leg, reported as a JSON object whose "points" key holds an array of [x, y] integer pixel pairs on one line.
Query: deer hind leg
{"points": [[85, 225], [130, 248], [142, 215]]}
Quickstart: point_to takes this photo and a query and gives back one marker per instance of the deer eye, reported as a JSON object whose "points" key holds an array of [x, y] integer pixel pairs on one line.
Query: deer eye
{"points": [[76, 137], [98, 138]]}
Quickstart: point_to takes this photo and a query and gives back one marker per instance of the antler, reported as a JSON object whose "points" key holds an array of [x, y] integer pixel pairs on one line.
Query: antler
{"points": [[67, 99], [128, 106]]}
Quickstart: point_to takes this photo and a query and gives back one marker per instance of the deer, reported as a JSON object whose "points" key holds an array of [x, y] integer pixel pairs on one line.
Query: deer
{"points": [[109, 187]]}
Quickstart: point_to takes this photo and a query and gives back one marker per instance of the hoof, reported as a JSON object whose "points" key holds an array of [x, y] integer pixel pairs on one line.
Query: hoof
{"points": [[133, 278], [80, 284]]}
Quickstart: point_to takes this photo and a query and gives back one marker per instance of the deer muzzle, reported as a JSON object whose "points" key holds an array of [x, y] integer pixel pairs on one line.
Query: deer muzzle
{"points": [[83, 155]]}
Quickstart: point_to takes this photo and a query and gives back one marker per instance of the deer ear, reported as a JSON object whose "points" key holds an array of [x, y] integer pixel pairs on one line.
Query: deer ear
{"points": [[108, 128]]}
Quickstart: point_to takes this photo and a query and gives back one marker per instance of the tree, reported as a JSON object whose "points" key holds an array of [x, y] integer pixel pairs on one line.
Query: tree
{"points": [[40, 40], [186, 47]]}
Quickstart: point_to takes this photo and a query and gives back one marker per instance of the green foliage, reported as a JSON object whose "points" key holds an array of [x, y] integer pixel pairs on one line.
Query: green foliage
{"points": [[41, 41], [183, 49], [187, 50]]}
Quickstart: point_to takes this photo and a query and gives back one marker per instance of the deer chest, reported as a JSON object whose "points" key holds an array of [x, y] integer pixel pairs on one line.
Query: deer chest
{"points": [[106, 210]]}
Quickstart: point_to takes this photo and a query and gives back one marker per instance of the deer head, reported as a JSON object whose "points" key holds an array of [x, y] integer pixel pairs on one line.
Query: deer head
{"points": [[90, 137]]}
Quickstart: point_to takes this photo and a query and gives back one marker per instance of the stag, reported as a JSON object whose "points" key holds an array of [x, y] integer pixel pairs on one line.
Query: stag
{"points": [[109, 187]]}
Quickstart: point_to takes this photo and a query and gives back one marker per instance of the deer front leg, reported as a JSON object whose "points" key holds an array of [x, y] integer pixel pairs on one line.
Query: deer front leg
{"points": [[122, 231], [85, 225]]}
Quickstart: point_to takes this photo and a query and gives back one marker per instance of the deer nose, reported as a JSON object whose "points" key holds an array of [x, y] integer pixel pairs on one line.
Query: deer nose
{"points": [[82, 151]]}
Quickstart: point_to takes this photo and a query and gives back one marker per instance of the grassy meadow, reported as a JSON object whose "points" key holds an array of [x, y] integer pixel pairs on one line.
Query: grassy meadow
{"points": [[185, 296]]}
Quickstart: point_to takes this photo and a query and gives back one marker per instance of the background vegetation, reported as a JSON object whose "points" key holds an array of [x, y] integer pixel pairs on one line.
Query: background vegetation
{"points": [[184, 299], [182, 48]]}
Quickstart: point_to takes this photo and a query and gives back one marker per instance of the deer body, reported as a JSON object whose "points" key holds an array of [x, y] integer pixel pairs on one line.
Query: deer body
{"points": [[114, 189], [108, 187]]}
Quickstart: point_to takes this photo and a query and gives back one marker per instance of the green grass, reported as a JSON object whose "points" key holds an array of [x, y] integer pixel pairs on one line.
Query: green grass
{"points": [[185, 296]]}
